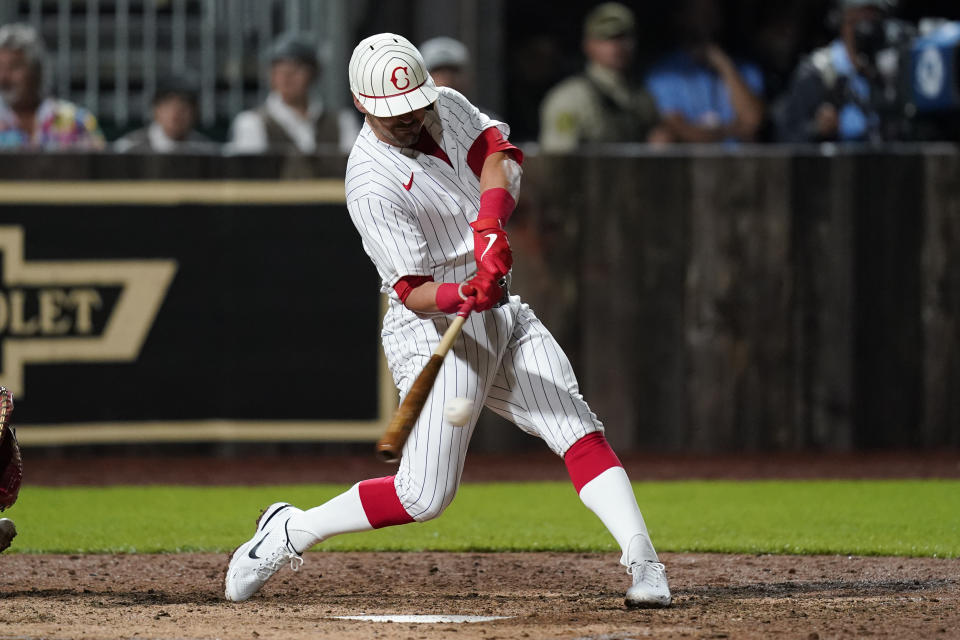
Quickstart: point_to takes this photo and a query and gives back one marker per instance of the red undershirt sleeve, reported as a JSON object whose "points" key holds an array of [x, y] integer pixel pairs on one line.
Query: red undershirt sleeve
{"points": [[490, 141]]}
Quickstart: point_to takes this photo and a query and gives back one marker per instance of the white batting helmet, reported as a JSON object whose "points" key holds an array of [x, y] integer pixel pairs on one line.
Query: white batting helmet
{"points": [[388, 76]]}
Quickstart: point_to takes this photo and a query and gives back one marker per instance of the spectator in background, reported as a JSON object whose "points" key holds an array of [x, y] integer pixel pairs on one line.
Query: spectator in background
{"points": [[172, 127], [601, 104], [829, 94], [702, 94], [28, 120], [291, 121], [448, 61]]}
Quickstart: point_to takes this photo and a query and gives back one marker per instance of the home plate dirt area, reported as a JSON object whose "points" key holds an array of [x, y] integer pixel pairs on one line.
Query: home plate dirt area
{"points": [[532, 595], [537, 595]]}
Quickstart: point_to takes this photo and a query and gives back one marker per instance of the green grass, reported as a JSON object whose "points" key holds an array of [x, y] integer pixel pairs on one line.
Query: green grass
{"points": [[910, 518]]}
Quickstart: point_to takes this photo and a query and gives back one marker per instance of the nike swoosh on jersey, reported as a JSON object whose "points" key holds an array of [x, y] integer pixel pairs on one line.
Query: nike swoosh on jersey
{"points": [[491, 238], [253, 552], [409, 184]]}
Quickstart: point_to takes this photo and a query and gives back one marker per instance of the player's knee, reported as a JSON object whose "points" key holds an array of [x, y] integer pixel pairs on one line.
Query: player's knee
{"points": [[433, 510], [428, 507]]}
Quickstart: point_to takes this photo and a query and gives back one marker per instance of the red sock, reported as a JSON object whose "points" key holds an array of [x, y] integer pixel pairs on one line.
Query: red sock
{"points": [[381, 504], [589, 456]]}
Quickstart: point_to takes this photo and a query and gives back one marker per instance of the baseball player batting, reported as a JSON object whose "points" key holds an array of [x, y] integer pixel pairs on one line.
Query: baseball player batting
{"points": [[431, 183]]}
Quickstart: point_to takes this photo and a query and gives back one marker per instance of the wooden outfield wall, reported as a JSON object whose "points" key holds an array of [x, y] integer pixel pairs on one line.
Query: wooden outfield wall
{"points": [[772, 299], [766, 299]]}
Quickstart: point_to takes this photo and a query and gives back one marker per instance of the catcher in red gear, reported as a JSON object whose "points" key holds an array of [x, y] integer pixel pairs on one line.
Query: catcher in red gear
{"points": [[11, 467]]}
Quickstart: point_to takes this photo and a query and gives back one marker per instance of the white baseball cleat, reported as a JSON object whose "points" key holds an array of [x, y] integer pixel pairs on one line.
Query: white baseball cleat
{"points": [[8, 531], [649, 585], [256, 560]]}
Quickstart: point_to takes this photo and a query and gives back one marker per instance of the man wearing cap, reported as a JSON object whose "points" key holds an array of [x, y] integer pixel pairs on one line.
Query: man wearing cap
{"points": [[601, 105], [829, 94], [171, 129], [430, 186], [448, 62], [291, 121]]}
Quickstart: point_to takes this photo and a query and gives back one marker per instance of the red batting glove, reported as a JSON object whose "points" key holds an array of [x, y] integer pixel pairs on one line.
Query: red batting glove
{"points": [[491, 249], [484, 287], [450, 296]]}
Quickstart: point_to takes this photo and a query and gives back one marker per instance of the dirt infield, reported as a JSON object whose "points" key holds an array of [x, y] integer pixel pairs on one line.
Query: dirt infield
{"points": [[542, 595]]}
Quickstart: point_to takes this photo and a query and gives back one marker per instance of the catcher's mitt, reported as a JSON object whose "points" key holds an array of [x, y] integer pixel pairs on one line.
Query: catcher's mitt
{"points": [[11, 464]]}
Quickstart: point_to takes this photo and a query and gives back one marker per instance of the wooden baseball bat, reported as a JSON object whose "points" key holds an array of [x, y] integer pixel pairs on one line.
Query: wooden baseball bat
{"points": [[391, 443]]}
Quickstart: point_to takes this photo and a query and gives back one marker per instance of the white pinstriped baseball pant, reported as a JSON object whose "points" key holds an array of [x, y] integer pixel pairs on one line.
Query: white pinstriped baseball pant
{"points": [[504, 359]]}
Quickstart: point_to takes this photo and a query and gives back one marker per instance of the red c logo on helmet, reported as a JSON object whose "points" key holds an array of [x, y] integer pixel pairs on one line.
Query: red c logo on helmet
{"points": [[396, 81]]}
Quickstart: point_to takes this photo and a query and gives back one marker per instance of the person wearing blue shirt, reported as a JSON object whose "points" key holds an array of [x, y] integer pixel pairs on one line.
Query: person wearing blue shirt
{"points": [[829, 95], [702, 94]]}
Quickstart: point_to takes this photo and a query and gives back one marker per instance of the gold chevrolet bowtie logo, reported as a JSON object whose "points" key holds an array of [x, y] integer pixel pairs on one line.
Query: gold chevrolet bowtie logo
{"points": [[74, 311]]}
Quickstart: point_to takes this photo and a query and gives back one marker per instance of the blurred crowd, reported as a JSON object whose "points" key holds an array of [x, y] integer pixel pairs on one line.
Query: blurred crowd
{"points": [[695, 90]]}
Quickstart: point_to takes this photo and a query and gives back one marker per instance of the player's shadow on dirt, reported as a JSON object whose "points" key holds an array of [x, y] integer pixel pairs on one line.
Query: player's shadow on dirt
{"points": [[825, 588]]}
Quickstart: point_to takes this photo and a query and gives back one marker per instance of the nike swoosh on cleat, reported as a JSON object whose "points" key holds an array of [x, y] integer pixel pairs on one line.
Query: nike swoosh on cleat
{"points": [[253, 552], [491, 238], [409, 184]]}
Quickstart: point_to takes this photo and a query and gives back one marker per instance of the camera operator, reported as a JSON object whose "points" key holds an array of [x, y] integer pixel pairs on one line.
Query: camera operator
{"points": [[829, 98]]}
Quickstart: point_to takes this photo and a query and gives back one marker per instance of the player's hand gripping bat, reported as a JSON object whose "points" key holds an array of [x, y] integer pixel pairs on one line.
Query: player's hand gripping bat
{"points": [[391, 444]]}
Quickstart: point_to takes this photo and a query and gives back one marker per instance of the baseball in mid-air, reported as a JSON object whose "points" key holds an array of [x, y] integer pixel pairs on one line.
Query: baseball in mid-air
{"points": [[457, 411]]}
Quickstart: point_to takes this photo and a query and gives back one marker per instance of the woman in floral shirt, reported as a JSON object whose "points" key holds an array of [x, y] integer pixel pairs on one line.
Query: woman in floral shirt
{"points": [[28, 121]]}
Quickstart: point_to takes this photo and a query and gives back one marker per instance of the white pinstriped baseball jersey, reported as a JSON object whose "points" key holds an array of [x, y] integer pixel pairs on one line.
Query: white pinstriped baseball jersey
{"points": [[413, 209], [413, 212]]}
